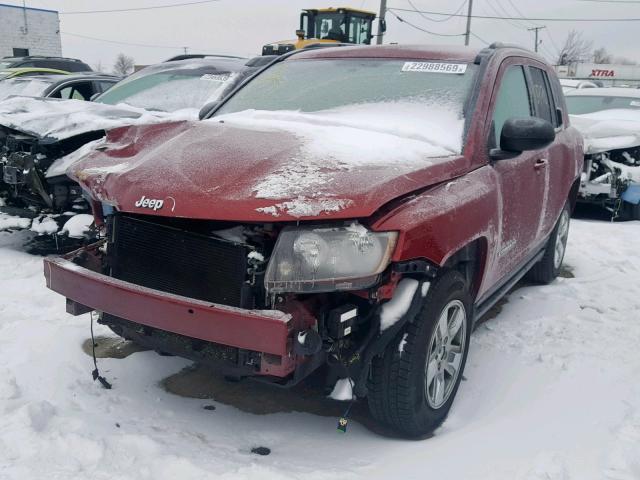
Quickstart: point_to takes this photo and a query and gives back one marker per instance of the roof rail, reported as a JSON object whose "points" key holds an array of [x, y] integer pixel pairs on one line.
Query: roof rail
{"points": [[496, 45], [188, 56], [491, 49], [39, 57]]}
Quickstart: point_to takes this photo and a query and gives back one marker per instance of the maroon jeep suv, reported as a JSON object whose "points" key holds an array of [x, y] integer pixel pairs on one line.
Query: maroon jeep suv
{"points": [[354, 209]]}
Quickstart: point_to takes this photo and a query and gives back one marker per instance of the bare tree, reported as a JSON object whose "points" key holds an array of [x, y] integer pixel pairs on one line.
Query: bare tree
{"points": [[124, 65], [600, 55], [575, 49], [98, 66]]}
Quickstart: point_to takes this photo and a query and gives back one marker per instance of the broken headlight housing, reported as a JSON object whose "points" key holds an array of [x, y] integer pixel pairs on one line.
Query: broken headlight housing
{"points": [[316, 259]]}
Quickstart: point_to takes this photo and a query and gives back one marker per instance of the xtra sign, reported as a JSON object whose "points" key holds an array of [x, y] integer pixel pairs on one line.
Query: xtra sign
{"points": [[601, 72]]}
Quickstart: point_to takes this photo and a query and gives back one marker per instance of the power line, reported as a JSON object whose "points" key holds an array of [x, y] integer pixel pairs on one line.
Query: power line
{"points": [[497, 12], [119, 42], [538, 19], [479, 38], [536, 31], [435, 19], [135, 9], [553, 43], [520, 13], [400, 19]]}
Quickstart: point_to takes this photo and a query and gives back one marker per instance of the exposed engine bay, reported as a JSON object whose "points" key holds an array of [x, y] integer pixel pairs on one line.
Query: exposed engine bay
{"points": [[24, 161], [608, 175]]}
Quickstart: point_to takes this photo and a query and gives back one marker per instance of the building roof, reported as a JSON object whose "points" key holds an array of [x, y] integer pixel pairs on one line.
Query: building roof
{"points": [[29, 8]]}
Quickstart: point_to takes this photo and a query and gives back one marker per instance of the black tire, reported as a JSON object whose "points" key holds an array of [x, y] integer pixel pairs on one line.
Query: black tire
{"points": [[630, 211], [397, 390], [549, 266]]}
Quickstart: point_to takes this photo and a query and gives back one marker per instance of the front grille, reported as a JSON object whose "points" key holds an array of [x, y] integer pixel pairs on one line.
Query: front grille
{"points": [[178, 261]]}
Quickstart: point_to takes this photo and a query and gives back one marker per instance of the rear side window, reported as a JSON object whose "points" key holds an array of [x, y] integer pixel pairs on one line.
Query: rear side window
{"points": [[512, 100], [104, 86], [541, 95]]}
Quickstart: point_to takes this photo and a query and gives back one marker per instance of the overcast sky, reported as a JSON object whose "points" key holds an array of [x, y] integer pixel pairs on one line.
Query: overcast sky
{"points": [[243, 26]]}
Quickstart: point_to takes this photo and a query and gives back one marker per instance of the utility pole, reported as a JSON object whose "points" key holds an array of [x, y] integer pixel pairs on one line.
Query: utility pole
{"points": [[186, 50], [468, 30], [535, 29], [381, 22]]}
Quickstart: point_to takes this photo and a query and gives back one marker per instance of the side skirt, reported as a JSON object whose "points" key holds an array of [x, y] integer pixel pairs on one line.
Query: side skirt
{"points": [[482, 306]]}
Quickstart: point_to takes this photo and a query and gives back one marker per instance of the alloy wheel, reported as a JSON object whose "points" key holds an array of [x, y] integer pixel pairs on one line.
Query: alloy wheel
{"points": [[444, 357], [561, 239]]}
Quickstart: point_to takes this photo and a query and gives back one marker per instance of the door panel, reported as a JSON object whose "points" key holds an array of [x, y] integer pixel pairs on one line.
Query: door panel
{"points": [[523, 179]]}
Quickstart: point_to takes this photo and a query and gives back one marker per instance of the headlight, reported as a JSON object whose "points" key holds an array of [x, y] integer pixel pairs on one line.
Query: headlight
{"points": [[315, 259]]}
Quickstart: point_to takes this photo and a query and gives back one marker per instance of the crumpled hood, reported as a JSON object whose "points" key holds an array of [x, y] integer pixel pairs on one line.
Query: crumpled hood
{"points": [[608, 129], [53, 119], [247, 171]]}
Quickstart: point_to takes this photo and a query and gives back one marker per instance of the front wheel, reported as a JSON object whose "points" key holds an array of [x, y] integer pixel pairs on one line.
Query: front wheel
{"points": [[548, 268], [413, 384]]}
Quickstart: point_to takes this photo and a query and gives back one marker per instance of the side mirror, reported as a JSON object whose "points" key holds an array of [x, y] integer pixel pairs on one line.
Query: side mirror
{"points": [[383, 26], [520, 134], [207, 109]]}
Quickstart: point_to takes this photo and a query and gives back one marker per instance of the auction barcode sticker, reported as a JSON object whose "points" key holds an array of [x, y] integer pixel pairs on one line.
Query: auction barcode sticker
{"points": [[434, 67], [217, 77]]}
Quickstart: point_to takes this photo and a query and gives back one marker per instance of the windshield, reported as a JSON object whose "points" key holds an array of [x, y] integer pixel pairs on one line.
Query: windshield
{"points": [[579, 104], [315, 85], [6, 64], [25, 86], [169, 90]]}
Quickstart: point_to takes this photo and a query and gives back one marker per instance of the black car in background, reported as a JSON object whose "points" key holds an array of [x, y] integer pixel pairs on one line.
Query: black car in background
{"points": [[58, 63]]}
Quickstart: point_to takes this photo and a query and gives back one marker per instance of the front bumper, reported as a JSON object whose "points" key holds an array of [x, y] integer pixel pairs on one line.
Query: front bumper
{"points": [[267, 332]]}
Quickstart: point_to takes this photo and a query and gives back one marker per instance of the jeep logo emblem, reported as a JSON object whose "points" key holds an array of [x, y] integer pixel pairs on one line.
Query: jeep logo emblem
{"points": [[152, 203]]}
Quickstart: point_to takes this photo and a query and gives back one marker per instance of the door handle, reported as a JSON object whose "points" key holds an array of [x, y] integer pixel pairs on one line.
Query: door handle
{"points": [[540, 163]]}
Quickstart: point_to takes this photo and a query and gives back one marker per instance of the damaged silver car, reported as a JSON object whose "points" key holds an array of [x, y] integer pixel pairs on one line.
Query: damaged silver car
{"points": [[609, 121]]}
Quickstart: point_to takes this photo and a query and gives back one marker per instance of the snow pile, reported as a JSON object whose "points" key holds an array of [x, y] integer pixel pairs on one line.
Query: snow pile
{"points": [[78, 225], [44, 225], [343, 390], [608, 129], [60, 119], [394, 309], [9, 221]]}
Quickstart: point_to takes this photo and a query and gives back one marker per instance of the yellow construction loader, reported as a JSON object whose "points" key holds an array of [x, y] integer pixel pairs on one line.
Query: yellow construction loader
{"points": [[327, 25]]}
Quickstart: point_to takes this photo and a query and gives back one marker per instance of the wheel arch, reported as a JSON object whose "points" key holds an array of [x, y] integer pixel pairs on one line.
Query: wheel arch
{"points": [[470, 260], [573, 193]]}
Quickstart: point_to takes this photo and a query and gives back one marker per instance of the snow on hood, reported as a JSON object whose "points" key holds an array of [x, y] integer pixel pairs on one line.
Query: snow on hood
{"points": [[255, 166], [608, 129], [382, 134], [60, 119], [366, 133]]}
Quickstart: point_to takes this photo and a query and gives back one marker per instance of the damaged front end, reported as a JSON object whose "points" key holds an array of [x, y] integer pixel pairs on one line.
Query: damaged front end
{"points": [[611, 179], [252, 300], [25, 160]]}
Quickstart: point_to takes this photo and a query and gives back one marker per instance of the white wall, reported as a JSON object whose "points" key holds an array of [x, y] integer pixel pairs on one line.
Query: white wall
{"points": [[42, 36]]}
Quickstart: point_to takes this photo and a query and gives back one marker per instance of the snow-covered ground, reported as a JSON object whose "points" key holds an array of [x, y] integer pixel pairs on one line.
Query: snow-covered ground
{"points": [[552, 392]]}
